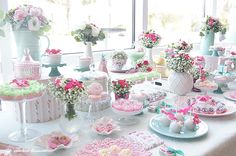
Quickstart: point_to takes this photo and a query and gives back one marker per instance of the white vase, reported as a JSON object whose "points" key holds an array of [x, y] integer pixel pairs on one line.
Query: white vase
{"points": [[180, 83], [54, 59], [88, 50], [148, 53]]}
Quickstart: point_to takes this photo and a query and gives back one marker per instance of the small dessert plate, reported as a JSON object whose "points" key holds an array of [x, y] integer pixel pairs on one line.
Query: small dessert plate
{"points": [[42, 142], [155, 126], [105, 126], [231, 95]]}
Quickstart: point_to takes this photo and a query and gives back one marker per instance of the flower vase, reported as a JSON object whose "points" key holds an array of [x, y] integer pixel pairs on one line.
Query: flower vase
{"points": [[206, 42], [121, 96], [88, 51], [69, 122], [180, 83], [30, 40], [148, 53]]}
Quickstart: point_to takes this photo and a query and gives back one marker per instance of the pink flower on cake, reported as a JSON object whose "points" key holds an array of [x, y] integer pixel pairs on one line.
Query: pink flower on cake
{"points": [[20, 83], [204, 98], [53, 51]]}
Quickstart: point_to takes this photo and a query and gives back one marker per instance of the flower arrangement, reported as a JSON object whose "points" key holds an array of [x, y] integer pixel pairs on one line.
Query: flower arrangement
{"points": [[198, 72], [181, 45], [119, 55], [212, 24], [29, 18], [121, 87], [149, 39], [144, 66], [180, 62], [68, 90], [53, 51], [88, 33]]}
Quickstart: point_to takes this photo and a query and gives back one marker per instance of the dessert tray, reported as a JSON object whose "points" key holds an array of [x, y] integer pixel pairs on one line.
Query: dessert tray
{"points": [[231, 95], [114, 147], [156, 126], [228, 106]]}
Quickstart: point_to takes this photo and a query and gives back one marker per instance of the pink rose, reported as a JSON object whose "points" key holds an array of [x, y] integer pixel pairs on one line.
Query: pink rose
{"points": [[35, 11], [20, 14]]}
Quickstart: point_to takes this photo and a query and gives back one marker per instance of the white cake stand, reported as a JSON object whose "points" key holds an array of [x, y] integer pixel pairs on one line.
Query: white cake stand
{"points": [[24, 134], [126, 118]]}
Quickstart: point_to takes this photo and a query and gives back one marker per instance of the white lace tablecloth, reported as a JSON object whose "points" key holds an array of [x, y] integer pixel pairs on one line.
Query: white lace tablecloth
{"points": [[220, 140]]}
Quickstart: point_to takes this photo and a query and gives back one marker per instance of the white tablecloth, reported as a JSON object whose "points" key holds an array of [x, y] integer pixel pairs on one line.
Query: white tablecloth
{"points": [[220, 140]]}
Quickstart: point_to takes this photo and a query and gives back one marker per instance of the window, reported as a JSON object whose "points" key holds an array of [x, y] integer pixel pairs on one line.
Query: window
{"points": [[111, 15], [176, 19]]}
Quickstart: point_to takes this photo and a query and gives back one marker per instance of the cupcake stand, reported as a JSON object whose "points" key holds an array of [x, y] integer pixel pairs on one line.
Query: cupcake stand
{"points": [[24, 134]]}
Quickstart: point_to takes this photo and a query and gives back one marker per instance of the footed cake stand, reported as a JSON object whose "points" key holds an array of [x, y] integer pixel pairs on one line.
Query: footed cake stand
{"points": [[24, 134], [126, 118], [54, 69]]}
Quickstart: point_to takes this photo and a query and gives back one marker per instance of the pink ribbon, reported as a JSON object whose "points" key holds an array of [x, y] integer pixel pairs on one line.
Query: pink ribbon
{"points": [[20, 83]]}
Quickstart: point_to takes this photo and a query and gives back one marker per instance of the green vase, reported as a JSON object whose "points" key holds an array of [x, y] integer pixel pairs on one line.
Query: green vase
{"points": [[206, 42], [30, 40]]}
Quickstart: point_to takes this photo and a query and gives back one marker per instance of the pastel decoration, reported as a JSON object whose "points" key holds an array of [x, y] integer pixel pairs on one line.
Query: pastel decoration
{"points": [[169, 151], [175, 126], [95, 89]]}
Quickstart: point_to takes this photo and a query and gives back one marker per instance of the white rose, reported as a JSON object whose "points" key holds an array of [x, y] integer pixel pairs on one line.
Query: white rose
{"points": [[95, 31], [34, 24]]}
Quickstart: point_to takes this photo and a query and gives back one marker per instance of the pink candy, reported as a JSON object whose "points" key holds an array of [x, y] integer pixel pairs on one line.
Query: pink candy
{"points": [[127, 105], [55, 141]]}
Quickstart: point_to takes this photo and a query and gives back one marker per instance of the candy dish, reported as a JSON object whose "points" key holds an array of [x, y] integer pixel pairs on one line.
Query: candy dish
{"points": [[54, 141], [205, 85], [231, 95], [126, 109], [105, 126], [183, 134]]}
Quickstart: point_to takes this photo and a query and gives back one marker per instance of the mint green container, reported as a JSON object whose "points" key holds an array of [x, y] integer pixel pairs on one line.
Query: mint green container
{"points": [[28, 39], [206, 42]]}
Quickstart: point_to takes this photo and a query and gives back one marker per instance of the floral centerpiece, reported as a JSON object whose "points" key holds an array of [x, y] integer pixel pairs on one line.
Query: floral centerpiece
{"points": [[180, 62], [70, 91], [121, 88], [198, 72], [208, 29], [149, 39], [212, 24], [27, 17], [28, 24], [53, 55], [144, 66], [89, 34], [119, 59], [181, 45]]}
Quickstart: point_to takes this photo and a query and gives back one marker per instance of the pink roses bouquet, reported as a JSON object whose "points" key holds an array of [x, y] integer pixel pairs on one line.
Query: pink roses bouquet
{"points": [[149, 39], [212, 24], [28, 18]]}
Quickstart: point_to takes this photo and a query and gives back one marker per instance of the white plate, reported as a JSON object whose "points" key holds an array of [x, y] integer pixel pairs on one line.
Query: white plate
{"points": [[202, 130], [227, 95], [126, 113]]}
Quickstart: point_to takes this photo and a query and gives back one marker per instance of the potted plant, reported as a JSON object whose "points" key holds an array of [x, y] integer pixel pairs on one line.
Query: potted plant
{"points": [[119, 59], [69, 91], [180, 64], [121, 88], [209, 27], [149, 39], [28, 24], [89, 34], [54, 56]]}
